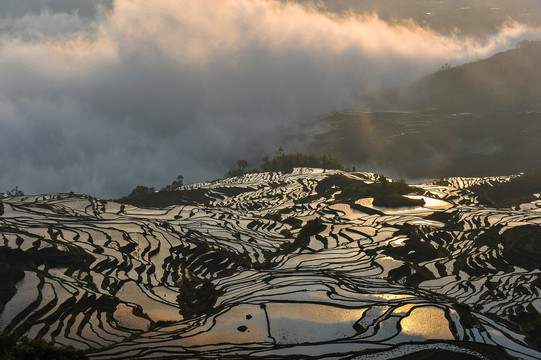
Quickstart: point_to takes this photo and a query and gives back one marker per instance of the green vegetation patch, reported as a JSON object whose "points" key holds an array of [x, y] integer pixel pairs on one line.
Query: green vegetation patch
{"points": [[412, 250], [529, 321], [418, 247], [167, 198], [22, 348], [515, 192], [164, 198], [11, 272], [521, 244], [286, 162], [197, 294], [521, 248], [385, 193], [282, 162], [312, 227], [302, 241], [197, 297], [410, 274]]}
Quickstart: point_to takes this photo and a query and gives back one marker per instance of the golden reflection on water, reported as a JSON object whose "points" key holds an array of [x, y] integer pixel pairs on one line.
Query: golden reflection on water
{"points": [[430, 202], [397, 241], [156, 310], [124, 316], [402, 310], [392, 296], [426, 321], [296, 323], [315, 312]]}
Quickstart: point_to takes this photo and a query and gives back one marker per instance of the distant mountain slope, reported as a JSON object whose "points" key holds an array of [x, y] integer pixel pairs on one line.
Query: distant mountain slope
{"points": [[477, 119], [432, 144], [509, 81]]}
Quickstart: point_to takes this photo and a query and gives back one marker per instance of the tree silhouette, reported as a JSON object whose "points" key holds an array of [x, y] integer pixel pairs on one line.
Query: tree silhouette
{"points": [[15, 192], [242, 164], [178, 182], [141, 189], [240, 169]]}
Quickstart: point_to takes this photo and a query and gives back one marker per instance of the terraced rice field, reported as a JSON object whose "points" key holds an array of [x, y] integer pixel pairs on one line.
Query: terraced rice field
{"points": [[266, 265]]}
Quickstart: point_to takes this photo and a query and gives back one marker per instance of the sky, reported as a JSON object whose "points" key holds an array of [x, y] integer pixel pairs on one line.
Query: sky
{"points": [[97, 97]]}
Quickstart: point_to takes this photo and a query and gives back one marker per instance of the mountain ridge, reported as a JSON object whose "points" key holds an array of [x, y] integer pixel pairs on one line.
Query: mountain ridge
{"points": [[506, 81], [476, 119]]}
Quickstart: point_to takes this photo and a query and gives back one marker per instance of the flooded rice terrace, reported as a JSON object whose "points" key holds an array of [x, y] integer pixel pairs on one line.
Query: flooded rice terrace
{"points": [[272, 264]]}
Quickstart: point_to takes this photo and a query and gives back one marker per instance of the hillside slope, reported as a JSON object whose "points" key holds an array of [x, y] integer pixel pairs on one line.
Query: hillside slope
{"points": [[303, 264], [477, 119], [507, 81]]}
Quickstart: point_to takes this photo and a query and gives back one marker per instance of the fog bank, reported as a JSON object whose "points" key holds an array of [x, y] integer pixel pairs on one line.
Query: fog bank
{"points": [[138, 92]]}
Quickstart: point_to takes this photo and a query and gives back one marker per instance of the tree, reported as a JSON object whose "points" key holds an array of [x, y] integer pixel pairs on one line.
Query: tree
{"points": [[446, 66], [239, 170], [15, 192], [178, 182], [383, 180], [242, 164]]}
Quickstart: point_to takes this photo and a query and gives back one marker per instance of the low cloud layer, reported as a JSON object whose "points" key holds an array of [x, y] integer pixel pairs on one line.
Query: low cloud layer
{"points": [[141, 92]]}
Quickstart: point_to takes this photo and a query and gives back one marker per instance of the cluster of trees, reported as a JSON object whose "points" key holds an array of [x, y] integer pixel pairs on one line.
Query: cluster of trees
{"points": [[280, 162], [15, 192], [384, 192], [444, 67], [178, 182], [238, 169], [286, 162], [283, 162], [22, 348], [141, 189], [512, 193]]}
